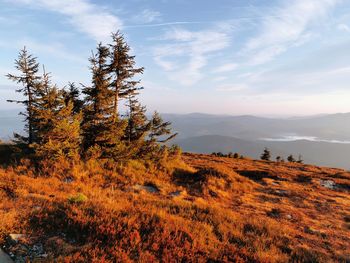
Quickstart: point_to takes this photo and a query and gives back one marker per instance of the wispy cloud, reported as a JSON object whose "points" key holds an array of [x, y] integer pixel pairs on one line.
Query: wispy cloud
{"points": [[85, 16], [344, 27], [226, 68], [232, 87], [192, 46], [288, 28], [174, 23], [147, 16]]}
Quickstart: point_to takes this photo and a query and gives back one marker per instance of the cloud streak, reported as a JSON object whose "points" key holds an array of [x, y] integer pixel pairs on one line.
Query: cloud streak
{"points": [[85, 16], [192, 46], [290, 27]]}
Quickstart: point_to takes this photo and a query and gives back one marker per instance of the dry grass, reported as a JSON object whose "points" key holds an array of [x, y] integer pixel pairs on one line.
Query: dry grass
{"points": [[205, 209]]}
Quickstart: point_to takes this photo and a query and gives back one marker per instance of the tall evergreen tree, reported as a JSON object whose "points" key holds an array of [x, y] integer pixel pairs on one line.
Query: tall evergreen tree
{"points": [[122, 71], [266, 155], [138, 124], [101, 130], [97, 100], [62, 140], [160, 131], [72, 94], [28, 67], [44, 106]]}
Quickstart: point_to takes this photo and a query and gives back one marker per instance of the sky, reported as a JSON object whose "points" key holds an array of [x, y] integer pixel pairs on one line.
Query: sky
{"points": [[275, 57]]}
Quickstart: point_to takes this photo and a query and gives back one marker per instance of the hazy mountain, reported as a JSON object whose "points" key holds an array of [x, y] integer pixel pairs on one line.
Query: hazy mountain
{"points": [[10, 122], [319, 153], [244, 134], [327, 127], [207, 133]]}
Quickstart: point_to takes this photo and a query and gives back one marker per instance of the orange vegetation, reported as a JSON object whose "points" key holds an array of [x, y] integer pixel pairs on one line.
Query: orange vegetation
{"points": [[200, 209]]}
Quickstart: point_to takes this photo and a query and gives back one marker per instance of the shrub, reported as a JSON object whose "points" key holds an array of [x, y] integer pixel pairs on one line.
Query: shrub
{"points": [[78, 198]]}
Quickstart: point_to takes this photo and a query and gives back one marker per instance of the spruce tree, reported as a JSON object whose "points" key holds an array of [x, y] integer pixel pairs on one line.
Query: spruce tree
{"points": [[122, 71], [58, 127], [29, 79], [138, 124], [102, 132], [72, 94], [97, 100], [266, 155], [159, 133], [62, 140], [291, 159]]}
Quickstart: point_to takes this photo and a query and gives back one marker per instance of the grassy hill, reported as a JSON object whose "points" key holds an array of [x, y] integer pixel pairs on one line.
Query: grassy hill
{"points": [[200, 209]]}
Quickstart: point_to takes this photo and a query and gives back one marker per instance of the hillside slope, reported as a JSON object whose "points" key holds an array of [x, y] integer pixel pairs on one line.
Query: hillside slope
{"points": [[207, 209]]}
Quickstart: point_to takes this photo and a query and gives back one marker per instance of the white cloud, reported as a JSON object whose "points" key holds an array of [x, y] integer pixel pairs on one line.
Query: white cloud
{"points": [[220, 79], [343, 27], [85, 16], [148, 16], [192, 46], [288, 29], [226, 68], [234, 87]]}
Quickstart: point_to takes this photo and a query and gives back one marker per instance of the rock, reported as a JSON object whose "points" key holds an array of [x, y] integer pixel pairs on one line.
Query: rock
{"points": [[15, 238], [330, 184], [176, 193], [289, 217], [4, 258], [38, 249], [147, 188]]}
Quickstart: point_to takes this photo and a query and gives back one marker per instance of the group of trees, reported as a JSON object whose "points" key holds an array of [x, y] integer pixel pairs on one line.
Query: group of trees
{"points": [[63, 123], [229, 155], [266, 156]]}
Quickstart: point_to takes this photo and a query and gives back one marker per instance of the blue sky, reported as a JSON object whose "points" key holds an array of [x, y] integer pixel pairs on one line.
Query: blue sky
{"points": [[277, 57]]}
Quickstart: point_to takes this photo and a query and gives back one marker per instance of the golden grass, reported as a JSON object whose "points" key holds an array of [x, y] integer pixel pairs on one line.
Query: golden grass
{"points": [[225, 210]]}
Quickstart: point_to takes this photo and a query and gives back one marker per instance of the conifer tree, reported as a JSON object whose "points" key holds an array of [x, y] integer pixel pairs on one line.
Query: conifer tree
{"points": [[28, 67], [266, 155], [97, 100], [122, 71], [102, 132], [160, 131], [62, 140], [58, 127], [45, 104], [291, 159], [138, 124], [73, 95]]}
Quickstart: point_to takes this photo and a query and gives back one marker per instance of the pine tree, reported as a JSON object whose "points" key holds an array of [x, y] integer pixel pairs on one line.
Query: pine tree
{"points": [[266, 155], [45, 104], [73, 95], [102, 131], [28, 67], [138, 124], [159, 133], [58, 127], [97, 100], [62, 140], [291, 159], [122, 70]]}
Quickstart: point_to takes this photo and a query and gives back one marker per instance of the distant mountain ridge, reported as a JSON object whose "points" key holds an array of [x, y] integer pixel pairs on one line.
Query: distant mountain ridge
{"points": [[206, 133]]}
